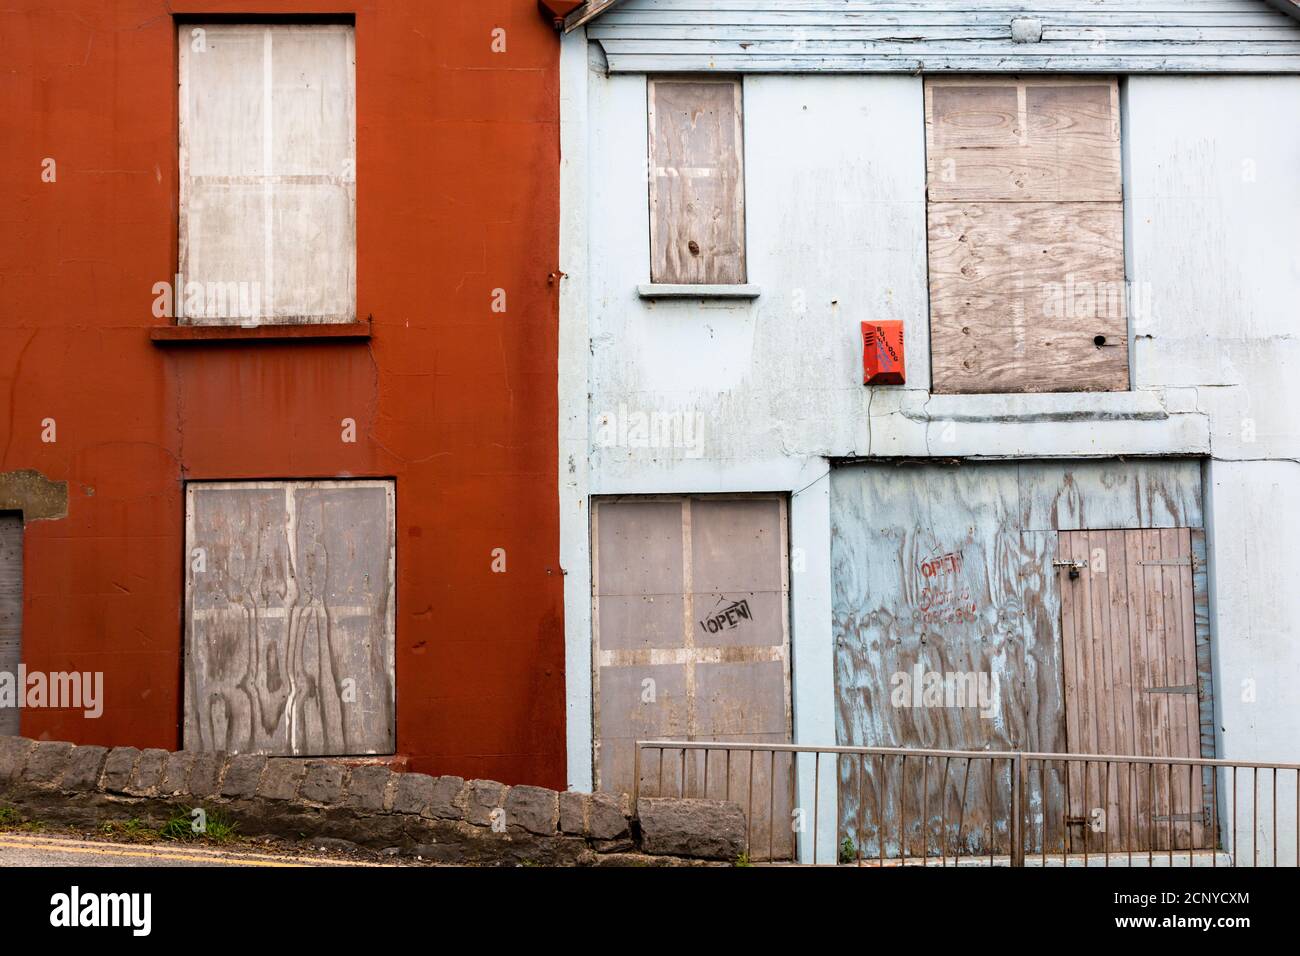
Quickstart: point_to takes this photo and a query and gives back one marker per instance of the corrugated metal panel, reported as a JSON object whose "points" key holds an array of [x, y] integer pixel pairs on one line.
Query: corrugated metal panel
{"points": [[891, 36], [11, 608], [289, 617]]}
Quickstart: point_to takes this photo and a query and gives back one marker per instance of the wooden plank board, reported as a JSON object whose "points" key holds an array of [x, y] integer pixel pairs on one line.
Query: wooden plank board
{"points": [[770, 36], [1098, 809], [1160, 62], [1076, 688], [1152, 8], [1143, 704], [289, 617], [697, 204], [1020, 293], [1131, 683], [1182, 722], [1023, 140], [1204, 679], [1118, 818], [11, 608], [1161, 737], [882, 32]]}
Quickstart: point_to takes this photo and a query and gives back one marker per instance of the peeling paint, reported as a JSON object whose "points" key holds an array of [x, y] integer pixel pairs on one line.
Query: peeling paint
{"points": [[37, 497]]}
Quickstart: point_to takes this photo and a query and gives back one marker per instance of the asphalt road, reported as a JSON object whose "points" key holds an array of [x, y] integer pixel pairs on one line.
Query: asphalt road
{"points": [[23, 849]]}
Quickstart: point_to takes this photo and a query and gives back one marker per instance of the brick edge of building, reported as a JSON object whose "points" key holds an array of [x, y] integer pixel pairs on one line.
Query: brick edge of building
{"points": [[445, 819]]}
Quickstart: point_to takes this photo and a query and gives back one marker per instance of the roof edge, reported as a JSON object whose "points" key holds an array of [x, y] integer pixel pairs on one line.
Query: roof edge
{"points": [[594, 8], [1290, 7], [586, 13]]}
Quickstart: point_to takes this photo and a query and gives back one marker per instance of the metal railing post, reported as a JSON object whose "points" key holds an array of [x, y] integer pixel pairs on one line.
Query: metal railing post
{"points": [[1018, 810], [1158, 820], [636, 775]]}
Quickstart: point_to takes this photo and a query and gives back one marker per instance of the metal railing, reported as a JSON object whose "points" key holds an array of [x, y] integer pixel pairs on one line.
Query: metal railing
{"points": [[888, 806]]}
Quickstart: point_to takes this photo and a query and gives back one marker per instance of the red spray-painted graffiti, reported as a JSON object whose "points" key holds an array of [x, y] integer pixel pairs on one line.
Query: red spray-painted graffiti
{"points": [[944, 602]]}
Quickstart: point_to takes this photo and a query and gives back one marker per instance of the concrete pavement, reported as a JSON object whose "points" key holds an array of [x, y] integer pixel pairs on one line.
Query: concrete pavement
{"points": [[24, 849]]}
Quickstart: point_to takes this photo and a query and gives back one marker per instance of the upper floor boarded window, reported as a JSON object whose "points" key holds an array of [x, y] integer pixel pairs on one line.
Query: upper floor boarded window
{"points": [[267, 174], [697, 188], [1026, 235]]}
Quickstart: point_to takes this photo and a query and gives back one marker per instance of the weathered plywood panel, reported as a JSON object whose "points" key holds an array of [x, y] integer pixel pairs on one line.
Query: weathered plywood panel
{"points": [[11, 607], [289, 634], [1142, 493], [268, 173], [639, 585], [1026, 235], [1008, 140], [690, 608], [950, 569], [697, 211], [912, 36], [1023, 293], [926, 583]]}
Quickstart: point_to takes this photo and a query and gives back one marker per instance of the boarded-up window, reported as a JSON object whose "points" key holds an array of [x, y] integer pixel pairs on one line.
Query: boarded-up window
{"points": [[690, 612], [1026, 235], [697, 192], [267, 174], [289, 617], [11, 610]]}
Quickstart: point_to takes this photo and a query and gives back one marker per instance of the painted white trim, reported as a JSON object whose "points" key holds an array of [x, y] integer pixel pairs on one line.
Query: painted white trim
{"points": [[574, 437], [812, 649], [666, 290]]}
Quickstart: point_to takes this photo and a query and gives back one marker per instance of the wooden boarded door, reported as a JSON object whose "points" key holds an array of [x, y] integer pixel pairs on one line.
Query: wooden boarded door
{"points": [[11, 609], [289, 617], [1134, 684], [690, 613]]}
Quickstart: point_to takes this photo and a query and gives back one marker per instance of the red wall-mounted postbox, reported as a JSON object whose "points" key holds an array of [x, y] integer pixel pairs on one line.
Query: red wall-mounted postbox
{"points": [[882, 353]]}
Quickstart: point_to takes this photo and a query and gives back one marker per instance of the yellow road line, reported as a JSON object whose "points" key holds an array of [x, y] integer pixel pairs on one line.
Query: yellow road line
{"points": [[234, 858]]}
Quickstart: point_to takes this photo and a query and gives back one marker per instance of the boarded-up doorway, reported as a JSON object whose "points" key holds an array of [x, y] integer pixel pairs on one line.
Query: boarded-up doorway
{"points": [[949, 571], [11, 609], [1135, 684], [690, 612], [289, 617]]}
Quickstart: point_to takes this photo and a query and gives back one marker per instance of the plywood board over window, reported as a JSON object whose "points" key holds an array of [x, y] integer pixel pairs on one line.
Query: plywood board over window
{"points": [[697, 194], [1026, 235], [289, 617], [267, 174]]}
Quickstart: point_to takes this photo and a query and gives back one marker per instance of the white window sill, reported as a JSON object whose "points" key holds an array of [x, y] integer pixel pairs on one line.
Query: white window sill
{"points": [[661, 290], [1030, 407]]}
